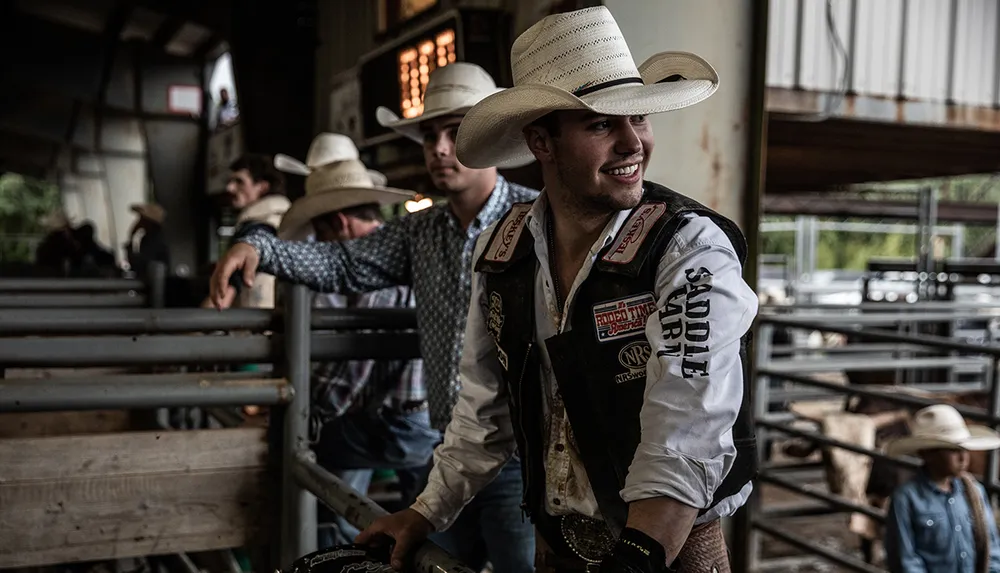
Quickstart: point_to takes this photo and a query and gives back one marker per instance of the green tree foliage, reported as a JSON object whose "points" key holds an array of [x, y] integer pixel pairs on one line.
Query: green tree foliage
{"points": [[24, 201]]}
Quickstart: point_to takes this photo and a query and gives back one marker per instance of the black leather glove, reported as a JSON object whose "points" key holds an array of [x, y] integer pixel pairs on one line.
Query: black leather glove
{"points": [[636, 552]]}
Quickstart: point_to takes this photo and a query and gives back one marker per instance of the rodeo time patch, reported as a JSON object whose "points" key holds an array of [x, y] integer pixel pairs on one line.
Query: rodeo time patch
{"points": [[494, 323], [623, 317]]}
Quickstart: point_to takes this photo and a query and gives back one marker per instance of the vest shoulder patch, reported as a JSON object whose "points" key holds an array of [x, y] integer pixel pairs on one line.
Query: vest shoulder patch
{"points": [[634, 232], [507, 234]]}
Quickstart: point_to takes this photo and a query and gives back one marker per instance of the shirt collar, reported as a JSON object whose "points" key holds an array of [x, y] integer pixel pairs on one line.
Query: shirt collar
{"points": [[956, 485], [492, 210], [538, 215]]}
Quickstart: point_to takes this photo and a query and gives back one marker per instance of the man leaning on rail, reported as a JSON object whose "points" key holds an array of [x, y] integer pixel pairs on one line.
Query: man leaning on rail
{"points": [[606, 340]]}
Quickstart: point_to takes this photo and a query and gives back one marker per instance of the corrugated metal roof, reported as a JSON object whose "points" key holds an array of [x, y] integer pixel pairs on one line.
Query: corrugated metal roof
{"points": [[934, 50]]}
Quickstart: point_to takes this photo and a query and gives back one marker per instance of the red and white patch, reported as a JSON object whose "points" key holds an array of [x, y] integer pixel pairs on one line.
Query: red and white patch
{"points": [[624, 317], [501, 248], [634, 232]]}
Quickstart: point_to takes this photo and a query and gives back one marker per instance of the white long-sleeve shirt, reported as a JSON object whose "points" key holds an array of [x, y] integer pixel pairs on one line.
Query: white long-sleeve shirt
{"points": [[686, 447]]}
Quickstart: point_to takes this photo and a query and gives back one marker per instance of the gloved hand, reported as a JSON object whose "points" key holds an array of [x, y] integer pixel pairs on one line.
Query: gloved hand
{"points": [[636, 552]]}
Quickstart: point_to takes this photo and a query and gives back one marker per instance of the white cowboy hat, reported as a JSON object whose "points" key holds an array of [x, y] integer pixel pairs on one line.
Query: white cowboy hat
{"points": [[334, 187], [577, 61], [941, 426], [452, 89], [326, 148], [150, 211]]}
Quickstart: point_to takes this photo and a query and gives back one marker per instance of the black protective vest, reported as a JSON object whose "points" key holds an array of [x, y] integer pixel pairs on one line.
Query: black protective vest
{"points": [[605, 352]]}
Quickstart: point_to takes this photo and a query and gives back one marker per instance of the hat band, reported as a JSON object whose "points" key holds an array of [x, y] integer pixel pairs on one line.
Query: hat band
{"points": [[580, 92]]}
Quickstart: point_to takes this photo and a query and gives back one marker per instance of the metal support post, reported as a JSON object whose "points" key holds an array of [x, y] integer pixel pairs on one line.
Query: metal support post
{"points": [[991, 465], [748, 543], [298, 507], [156, 287]]}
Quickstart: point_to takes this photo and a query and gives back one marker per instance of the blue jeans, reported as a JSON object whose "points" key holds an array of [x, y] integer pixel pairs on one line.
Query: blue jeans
{"points": [[492, 527], [351, 446]]}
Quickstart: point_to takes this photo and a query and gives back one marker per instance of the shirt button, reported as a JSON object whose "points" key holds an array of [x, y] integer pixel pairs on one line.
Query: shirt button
{"points": [[930, 522], [951, 501], [560, 447], [555, 501], [963, 555], [958, 528]]}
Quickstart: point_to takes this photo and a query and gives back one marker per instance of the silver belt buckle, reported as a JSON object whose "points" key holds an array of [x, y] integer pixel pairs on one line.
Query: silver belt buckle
{"points": [[590, 539]]}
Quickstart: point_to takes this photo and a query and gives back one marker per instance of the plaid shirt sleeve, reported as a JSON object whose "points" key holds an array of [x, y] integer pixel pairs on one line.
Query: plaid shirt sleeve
{"points": [[376, 261], [341, 385]]}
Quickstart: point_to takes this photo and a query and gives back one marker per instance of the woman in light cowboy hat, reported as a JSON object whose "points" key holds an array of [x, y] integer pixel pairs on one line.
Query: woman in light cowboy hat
{"points": [[941, 520], [639, 316], [429, 251]]}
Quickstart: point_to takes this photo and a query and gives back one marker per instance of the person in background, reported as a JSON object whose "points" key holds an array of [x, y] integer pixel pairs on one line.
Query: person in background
{"points": [[257, 190], [430, 251], [366, 414], [941, 520], [147, 241], [228, 112]]}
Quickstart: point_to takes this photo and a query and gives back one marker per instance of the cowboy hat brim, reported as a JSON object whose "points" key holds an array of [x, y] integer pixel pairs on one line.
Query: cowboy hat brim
{"points": [[410, 128], [980, 439], [305, 209], [491, 133], [291, 165]]}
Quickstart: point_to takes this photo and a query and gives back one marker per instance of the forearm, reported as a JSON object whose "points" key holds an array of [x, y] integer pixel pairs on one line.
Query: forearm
{"points": [[666, 520]]}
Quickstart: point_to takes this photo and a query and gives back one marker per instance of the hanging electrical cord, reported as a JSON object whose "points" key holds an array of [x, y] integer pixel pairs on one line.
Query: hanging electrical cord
{"points": [[837, 98]]}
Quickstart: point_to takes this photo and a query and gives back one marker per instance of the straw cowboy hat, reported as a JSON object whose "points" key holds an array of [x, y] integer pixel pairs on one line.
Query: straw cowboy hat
{"points": [[150, 211], [333, 187], [941, 426], [452, 89], [577, 61], [326, 148]]}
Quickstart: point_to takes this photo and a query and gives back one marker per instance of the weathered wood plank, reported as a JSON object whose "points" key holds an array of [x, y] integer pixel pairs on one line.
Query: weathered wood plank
{"points": [[75, 498], [132, 453], [37, 424]]}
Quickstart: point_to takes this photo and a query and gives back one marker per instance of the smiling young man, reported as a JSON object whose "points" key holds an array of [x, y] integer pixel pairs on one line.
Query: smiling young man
{"points": [[607, 336], [431, 251]]}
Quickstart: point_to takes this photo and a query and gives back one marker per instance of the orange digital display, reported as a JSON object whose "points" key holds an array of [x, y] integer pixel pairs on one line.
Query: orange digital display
{"points": [[416, 62]]}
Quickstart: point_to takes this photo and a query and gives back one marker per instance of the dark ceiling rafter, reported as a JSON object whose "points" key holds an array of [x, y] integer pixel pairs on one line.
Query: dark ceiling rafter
{"points": [[166, 32], [112, 39], [206, 47]]}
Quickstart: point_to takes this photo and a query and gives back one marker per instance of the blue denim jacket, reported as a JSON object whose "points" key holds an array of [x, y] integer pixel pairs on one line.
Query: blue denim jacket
{"points": [[930, 531]]}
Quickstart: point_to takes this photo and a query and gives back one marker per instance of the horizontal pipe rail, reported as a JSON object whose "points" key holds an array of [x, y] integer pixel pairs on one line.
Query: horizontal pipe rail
{"points": [[32, 395], [867, 364], [368, 318], [796, 511], [976, 414], [823, 440], [64, 301], [74, 285], [108, 351], [885, 336], [360, 511], [837, 501], [50, 321], [167, 349], [365, 345], [810, 546]]}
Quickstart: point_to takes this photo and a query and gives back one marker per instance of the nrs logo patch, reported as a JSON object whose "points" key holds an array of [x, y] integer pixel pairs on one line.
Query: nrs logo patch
{"points": [[624, 317], [633, 357]]}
